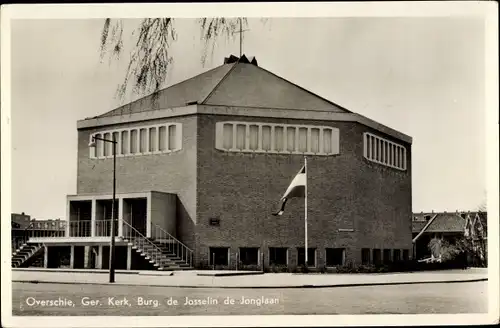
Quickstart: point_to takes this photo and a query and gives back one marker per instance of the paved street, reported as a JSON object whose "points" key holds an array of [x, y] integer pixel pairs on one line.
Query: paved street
{"points": [[467, 297]]}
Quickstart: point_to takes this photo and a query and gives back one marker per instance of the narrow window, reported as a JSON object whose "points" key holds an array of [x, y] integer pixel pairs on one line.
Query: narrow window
{"points": [[115, 137], [240, 136], [278, 138], [405, 255], [290, 140], [315, 140], [396, 254], [266, 137], [125, 143], [107, 145], [302, 140], [365, 256], [152, 139], [377, 257], [162, 134], [143, 140], [227, 135], [133, 141], [172, 137], [98, 146], [254, 137], [327, 141], [387, 256]]}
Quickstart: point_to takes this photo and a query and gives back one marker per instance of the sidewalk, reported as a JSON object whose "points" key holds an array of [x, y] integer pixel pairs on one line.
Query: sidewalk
{"points": [[191, 279]]}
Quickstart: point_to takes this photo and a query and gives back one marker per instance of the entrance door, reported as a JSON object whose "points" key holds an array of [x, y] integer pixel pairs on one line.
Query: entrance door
{"points": [[139, 215]]}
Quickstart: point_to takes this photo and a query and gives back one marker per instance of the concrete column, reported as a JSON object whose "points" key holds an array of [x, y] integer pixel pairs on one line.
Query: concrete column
{"points": [[68, 217], [129, 257], [45, 257], [87, 253], [93, 212], [99, 258], [72, 258], [120, 217], [148, 217]]}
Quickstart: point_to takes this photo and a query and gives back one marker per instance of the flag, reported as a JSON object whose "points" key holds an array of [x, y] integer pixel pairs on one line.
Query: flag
{"points": [[296, 189]]}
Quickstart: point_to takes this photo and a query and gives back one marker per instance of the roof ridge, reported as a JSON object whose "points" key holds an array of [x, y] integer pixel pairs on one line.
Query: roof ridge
{"points": [[219, 83], [304, 89], [161, 90]]}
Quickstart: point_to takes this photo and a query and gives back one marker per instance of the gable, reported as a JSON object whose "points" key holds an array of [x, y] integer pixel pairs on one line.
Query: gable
{"points": [[247, 85]]}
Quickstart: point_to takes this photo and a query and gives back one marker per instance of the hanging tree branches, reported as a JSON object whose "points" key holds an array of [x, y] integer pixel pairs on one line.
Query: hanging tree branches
{"points": [[150, 58]]}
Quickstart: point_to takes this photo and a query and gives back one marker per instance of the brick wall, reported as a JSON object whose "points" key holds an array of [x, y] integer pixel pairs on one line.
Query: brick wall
{"points": [[170, 173], [345, 192]]}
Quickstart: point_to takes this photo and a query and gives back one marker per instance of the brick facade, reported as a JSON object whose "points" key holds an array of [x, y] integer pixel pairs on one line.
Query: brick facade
{"points": [[344, 192], [370, 202]]}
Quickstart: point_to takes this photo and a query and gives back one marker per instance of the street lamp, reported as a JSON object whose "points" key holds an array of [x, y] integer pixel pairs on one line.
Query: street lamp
{"points": [[113, 232]]}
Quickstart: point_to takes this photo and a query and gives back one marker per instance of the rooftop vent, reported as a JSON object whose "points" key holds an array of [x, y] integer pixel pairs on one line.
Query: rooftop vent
{"points": [[243, 59]]}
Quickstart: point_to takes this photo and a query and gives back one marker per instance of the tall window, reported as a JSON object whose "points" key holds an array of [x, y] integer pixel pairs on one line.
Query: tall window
{"points": [[377, 256], [290, 140], [162, 138], [277, 138], [152, 139], [254, 137], [133, 141], [365, 256], [140, 141], [266, 137], [143, 140], [315, 140], [172, 137], [384, 152], [302, 140], [387, 256], [241, 133], [125, 142]]}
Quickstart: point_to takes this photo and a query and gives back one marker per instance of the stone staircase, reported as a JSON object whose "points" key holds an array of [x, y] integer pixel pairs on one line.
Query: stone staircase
{"points": [[166, 254], [28, 254]]}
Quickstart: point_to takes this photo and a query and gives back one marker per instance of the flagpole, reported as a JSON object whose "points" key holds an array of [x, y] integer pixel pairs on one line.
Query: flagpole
{"points": [[305, 216]]}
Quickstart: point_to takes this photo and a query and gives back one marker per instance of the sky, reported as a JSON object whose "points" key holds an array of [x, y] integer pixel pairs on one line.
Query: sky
{"points": [[422, 76]]}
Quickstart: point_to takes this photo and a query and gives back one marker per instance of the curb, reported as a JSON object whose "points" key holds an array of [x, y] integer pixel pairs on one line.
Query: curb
{"points": [[256, 287]]}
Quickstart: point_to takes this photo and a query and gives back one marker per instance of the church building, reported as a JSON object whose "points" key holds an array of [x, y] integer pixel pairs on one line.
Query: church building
{"points": [[201, 167]]}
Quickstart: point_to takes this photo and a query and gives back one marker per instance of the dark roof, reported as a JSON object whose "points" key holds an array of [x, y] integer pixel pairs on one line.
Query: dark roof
{"points": [[447, 222], [238, 82], [417, 226]]}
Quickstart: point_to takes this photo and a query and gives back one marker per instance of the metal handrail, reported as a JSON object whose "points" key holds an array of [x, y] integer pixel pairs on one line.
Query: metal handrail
{"points": [[156, 256], [80, 228], [184, 252]]}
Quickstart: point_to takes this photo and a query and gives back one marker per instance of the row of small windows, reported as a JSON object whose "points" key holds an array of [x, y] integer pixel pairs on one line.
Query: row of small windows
{"points": [[277, 256], [277, 138], [139, 141], [386, 256], [383, 151]]}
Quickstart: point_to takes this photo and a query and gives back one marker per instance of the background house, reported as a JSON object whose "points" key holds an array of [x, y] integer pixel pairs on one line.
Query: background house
{"points": [[454, 227]]}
